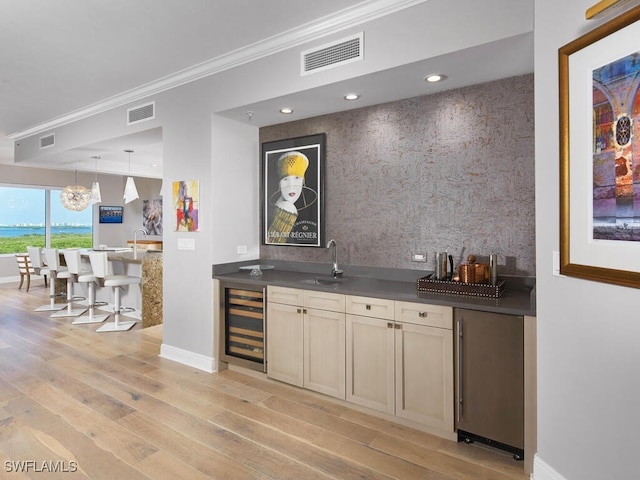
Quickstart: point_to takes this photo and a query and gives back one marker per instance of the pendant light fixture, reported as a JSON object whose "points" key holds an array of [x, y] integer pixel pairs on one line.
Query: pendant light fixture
{"points": [[75, 197], [130, 190], [95, 187]]}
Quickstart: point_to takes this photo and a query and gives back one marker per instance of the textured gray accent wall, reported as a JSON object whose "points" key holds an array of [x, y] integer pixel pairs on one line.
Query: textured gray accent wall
{"points": [[452, 171]]}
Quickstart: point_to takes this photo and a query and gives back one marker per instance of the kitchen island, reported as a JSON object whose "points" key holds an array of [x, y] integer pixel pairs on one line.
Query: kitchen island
{"points": [[148, 266], [146, 298]]}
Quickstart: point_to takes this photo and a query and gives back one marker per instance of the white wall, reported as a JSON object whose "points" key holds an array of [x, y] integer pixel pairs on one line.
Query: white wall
{"points": [[588, 332], [187, 295], [407, 36], [426, 30], [223, 156], [236, 190]]}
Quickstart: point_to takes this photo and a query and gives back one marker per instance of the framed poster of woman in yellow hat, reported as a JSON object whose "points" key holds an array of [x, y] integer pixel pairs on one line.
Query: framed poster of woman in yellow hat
{"points": [[292, 184]]}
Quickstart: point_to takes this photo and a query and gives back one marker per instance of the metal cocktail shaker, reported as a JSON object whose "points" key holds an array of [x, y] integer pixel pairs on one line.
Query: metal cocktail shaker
{"points": [[441, 265], [493, 268]]}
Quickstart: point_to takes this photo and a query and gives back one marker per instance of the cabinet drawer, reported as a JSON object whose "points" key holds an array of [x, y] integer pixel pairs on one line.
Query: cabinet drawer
{"points": [[370, 307], [333, 302], [288, 296], [424, 314]]}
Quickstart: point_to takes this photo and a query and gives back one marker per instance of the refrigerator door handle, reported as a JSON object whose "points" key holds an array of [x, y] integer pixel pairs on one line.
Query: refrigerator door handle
{"points": [[459, 370]]}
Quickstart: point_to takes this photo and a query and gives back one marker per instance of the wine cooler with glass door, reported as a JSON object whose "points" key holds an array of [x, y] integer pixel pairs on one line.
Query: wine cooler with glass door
{"points": [[242, 326]]}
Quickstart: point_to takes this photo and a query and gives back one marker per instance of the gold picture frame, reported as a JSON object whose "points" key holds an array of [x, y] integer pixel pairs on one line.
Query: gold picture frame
{"points": [[599, 131]]}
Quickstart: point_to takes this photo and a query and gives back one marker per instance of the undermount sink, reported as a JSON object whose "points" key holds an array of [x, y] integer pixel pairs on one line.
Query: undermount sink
{"points": [[322, 281]]}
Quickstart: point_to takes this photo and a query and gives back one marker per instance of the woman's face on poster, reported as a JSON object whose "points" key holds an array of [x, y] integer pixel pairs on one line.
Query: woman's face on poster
{"points": [[291, 188]]}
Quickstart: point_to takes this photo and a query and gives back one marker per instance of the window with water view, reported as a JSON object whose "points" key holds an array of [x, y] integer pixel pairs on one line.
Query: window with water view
{"points": [[24, 221]]}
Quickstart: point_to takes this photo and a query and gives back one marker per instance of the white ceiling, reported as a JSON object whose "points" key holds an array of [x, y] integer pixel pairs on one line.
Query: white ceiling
{"points": [[67, 55]]}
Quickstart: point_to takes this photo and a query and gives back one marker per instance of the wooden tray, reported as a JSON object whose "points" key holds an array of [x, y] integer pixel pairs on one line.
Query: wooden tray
{"points": [[431, 285]]}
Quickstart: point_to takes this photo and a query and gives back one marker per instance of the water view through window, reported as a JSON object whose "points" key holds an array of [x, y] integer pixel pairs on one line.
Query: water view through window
{"points": [[24, 221]]}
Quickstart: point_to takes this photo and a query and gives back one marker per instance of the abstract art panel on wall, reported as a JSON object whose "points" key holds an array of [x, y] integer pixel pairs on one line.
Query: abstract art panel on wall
{"points": [[152, 216], [186, 204]]}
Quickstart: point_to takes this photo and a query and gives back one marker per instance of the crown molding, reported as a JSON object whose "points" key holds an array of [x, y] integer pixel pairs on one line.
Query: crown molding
{"points": [[350, 17]]}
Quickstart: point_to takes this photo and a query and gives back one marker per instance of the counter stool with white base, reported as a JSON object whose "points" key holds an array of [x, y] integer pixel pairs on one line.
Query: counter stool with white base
{"points": [[83, 274], [53, 260], [37, 261], [100, 267]]}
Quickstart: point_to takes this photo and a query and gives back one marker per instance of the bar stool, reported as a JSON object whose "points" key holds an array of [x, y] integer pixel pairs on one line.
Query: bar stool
{"points": [[35, 253], [100, 267], [53, 260], [83, 274]]}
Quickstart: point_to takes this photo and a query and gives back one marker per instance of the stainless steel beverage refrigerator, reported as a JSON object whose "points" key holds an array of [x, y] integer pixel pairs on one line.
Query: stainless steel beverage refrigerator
{"points": [[489, 371]]}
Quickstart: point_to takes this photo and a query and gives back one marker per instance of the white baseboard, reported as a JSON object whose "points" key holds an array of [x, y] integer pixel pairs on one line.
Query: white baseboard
{"points": [[186, 357], [17, 279], [9, 279], [543, 471]]}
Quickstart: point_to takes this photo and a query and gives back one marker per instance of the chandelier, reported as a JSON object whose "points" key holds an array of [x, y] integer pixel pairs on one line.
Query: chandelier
{"points": [[75, 197]]}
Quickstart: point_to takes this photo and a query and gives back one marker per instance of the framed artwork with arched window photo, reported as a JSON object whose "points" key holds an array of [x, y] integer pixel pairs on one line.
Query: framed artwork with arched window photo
{"points": [[599, 75]]}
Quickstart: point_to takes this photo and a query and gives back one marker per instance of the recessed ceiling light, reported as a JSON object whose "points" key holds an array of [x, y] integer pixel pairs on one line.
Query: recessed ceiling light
{"points": [[286, 110], [351, 96], [435, 77]]}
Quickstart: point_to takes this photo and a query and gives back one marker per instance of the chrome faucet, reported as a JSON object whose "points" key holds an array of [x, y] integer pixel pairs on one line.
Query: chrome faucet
{"points": [[135, 241], [334, 255]]}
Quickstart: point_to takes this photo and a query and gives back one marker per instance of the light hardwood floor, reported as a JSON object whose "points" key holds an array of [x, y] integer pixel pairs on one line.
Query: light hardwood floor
{"points": [[107, 406]]}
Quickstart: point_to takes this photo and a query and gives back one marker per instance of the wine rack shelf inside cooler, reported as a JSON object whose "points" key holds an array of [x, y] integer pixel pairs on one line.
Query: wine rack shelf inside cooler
{"points": [[244, 314]]}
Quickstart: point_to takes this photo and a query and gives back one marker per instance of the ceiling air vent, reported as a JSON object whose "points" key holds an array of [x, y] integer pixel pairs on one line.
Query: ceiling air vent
{"points": [[341, 52], [141, 113], [48, 141]]}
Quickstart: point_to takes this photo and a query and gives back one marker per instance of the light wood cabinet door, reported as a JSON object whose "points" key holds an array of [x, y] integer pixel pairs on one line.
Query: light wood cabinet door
{"points": [[306, 339], [324, 352], [284, 343], [424, 375], [370, 359]]}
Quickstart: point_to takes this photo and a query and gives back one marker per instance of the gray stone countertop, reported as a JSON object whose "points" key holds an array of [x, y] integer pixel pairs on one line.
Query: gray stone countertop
{"points": [[127, 256], [518, 297]]}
